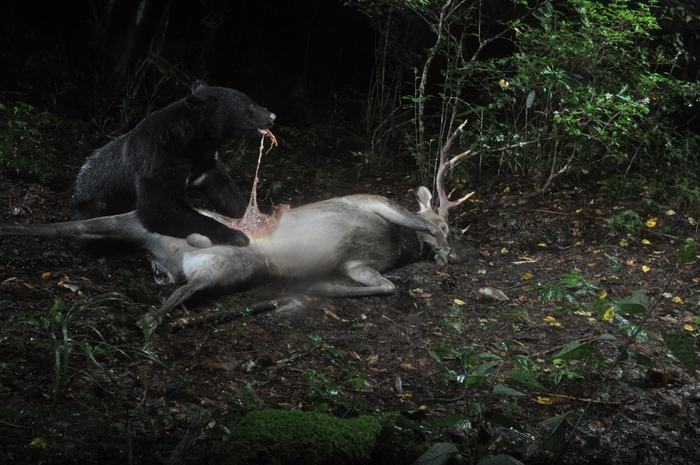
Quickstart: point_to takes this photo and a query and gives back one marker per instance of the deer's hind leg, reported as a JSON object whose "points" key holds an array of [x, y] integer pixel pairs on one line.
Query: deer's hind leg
{"points": [[373, 281]]}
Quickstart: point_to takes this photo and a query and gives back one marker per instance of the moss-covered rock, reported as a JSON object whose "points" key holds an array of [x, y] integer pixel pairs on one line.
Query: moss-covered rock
{"points": [[286, 437]]}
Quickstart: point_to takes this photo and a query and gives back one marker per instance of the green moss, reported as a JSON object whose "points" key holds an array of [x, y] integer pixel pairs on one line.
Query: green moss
{"points": [[284, 437]]}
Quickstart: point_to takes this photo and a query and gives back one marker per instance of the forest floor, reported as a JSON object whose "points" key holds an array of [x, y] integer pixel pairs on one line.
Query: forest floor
{"points": [[80, 383]]}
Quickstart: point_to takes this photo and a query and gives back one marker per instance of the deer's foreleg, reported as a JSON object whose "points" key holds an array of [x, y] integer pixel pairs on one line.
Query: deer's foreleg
{"points": [[374, 284]]}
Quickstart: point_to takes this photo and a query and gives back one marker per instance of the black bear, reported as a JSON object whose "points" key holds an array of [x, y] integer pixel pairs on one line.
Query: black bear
{"points": [[150, 167]]}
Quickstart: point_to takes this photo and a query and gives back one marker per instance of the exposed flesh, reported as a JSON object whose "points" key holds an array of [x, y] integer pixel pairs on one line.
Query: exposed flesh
{"points": [[254, 223]]}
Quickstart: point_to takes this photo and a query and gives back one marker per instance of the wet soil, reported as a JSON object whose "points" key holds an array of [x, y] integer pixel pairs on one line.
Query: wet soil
{"points": [[80, 383]]}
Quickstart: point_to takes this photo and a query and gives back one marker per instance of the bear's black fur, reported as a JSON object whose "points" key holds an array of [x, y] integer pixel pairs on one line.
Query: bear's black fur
{"points": [[150, 167]]}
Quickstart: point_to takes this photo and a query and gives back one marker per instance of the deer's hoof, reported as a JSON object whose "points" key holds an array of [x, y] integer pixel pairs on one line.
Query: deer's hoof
{"points": [[150, 322]]}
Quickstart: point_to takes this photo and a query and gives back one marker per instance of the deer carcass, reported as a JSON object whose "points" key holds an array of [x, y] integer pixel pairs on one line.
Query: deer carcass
{"points": [[357, 236]]}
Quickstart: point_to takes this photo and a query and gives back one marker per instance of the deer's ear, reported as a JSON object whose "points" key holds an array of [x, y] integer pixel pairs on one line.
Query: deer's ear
{"points": [[424, 198]]}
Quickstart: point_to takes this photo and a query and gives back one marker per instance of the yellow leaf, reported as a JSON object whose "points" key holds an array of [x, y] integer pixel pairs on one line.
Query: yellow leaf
{"points": [[677, 300], [527, 276], [651, 222], [624, 243], [407, 366], [692, 221], [379, 179], [555, 323], [609, 314], [373, 358], [670, 212], [541, 244], [504, 251], [549, 319], [517, 30], [582, 313], [525, 257], [424, 408], [484, 320], [38, 442], [646, 241], [46, 275], [630, 262], [504, 83], [560, 261], [668, 295], [481, 271], [459, 302], [688, 328], [28, 286], [410, 190], [602, 294], [506, 190], [645, 269], [545, 400]]}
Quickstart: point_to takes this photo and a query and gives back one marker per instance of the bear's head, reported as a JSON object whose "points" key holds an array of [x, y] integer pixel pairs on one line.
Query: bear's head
{"points": [[225, 113]]}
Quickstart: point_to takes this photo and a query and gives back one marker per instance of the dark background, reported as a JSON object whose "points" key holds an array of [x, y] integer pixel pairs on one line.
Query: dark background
{"points": [[294, 57]]}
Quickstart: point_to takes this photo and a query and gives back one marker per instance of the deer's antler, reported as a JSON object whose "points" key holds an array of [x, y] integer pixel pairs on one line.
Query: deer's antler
{"points": [[444, 167]]}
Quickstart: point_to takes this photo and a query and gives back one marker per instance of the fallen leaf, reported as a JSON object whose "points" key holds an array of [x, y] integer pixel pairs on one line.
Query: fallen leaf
{"points": [[645, 269], [372, 359], [678, 300], [651, 222], [545, 400], [646, 241], [504, 251], [46, 275], [506, 190], [549, 319], [602, 294], [670, 212], [459, 302], [481, 271], [624, 243], [609, 314], [541, 244], [527, 276], [407, 366], [688, 328]]}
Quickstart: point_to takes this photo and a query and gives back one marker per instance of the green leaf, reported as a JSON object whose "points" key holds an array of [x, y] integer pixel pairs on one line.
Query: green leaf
{"points": [[506, 422], [556, 439], [636, 304], [634, 389], [524, 378], [682, 348], [438, 454], [573, 351], [502, 389]]}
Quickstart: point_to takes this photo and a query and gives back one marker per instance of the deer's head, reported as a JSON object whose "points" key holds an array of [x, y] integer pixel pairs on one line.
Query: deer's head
{"points": [[439, 214]]}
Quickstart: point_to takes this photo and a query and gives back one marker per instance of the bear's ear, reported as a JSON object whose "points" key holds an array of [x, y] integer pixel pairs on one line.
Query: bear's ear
{"points": [[198, 85]]}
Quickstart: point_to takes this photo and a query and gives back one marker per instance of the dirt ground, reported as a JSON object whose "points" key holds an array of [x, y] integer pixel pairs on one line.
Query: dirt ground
{"points": [[80, 384]]}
